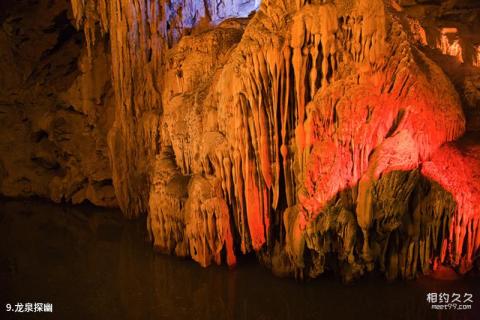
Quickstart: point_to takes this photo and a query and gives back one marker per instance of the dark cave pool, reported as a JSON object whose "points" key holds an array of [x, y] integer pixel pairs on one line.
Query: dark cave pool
{"points": [[90, 263]]}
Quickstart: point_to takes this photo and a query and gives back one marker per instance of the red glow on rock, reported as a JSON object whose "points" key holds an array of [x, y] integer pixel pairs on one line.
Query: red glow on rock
{"points": [[255, 210], [456, 167], [367, 134], [444, 273]]}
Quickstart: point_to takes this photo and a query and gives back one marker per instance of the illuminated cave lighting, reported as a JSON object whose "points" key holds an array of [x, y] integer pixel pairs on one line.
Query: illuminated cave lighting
{"points": [[193, 11], [448, 47]]}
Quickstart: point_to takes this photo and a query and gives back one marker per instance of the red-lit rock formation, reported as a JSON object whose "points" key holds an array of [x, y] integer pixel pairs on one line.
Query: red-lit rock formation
{"points": [[319, 135]]}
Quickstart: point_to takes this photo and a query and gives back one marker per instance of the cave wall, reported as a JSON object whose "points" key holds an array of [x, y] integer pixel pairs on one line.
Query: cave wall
{"points": [[54, 107], [323, 135]]}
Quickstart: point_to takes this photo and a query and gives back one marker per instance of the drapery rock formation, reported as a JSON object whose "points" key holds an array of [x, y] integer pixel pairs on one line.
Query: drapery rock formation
{"points": [[320, 135]]}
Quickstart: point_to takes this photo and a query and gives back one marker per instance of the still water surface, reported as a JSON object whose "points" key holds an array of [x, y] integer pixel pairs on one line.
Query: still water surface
{"points": [[92, 264]]}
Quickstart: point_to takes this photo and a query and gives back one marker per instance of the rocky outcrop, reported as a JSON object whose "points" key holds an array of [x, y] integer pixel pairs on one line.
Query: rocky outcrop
{"points": [[55, 108], [320, 135]]}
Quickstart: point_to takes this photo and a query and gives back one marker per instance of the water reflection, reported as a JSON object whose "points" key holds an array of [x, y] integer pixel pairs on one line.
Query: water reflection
{"points": [[92, 264]]}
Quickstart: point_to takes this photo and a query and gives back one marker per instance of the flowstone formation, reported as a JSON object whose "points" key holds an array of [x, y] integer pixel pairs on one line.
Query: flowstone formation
{"points": [[320, 135]]}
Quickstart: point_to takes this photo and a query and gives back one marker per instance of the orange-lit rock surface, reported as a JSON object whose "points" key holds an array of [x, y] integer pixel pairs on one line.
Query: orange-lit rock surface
{"points": [[55, 107], [321, 135]]}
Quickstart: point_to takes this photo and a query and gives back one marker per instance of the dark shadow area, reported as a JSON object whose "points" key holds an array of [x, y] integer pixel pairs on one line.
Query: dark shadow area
{"points": [[90, 263]]}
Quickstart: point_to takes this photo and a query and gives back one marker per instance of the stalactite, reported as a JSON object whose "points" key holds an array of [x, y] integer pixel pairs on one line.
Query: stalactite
{"points": [[299, 134], [363, 139]]}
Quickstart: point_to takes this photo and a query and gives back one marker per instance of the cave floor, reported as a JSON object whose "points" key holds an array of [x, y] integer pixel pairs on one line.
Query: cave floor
{"points": [[90, 263]]}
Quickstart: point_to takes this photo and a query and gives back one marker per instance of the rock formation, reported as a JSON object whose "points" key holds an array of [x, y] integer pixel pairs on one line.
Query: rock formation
{"points": [[55, 107], [320, 135]]}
